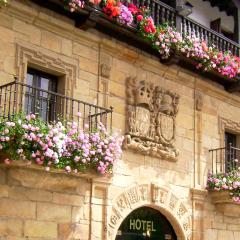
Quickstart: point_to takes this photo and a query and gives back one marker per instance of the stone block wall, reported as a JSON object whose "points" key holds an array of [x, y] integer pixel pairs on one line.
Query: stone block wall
{"points": [[94, 67], [36, 205]]}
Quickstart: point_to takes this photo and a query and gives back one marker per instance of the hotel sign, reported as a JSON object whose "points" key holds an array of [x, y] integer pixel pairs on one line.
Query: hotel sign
{"points": [[146, 223], [137, 224]]}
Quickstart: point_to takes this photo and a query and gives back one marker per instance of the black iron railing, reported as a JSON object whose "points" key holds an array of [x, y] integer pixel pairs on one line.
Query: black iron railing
{"points": [[162, 13], [50, 106], [225, 159], [191, 28]]}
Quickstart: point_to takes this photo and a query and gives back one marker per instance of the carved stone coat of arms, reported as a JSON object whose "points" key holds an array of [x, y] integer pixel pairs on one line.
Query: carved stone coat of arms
{"points": [[151, 114]]}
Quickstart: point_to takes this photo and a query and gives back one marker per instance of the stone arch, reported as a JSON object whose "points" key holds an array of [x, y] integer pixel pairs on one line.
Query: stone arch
{"points": [[154, 196]]}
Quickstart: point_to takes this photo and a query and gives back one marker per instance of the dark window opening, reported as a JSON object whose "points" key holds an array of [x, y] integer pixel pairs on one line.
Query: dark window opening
{"points": [[216, 26], [40, 98], [146, 223], [232, 153]]}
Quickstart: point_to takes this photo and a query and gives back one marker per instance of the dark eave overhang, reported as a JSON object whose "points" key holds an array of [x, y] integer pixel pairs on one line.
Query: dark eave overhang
{"points": [[228, 6]]}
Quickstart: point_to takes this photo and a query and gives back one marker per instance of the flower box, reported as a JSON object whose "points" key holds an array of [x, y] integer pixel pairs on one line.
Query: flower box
{"points": [[3, 156], [224, 203]]}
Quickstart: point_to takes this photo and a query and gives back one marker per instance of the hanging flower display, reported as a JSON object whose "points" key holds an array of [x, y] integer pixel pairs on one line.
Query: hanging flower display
{"points": [[226, 182], [57, 146], [164, 38]]}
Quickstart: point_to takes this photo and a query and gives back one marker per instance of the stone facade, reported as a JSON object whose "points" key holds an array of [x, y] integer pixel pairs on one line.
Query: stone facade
{"points": [[95, 68]]}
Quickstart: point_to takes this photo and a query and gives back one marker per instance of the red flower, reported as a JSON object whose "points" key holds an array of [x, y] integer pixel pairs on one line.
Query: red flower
{"points": [[139, 18], [133, 8], [111, 10]]}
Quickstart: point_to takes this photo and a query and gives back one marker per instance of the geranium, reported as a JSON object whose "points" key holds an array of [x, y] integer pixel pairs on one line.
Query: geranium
{"points": [[75, 5], [146, 25], [133, 9], [111, 8], [226, 181], [125, 16], [55, 145], [166, 40]]}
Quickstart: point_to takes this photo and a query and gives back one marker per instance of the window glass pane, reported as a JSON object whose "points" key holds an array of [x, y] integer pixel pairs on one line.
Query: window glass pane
{"points": [[44, 83], [29, 82], [40, 100]]}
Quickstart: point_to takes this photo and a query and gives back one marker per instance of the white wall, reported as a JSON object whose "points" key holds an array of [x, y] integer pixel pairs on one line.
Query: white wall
{"points": [[204, 13]]}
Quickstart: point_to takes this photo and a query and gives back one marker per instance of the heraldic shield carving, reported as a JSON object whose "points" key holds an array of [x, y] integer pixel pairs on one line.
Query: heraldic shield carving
{"points": [[151, 113]]}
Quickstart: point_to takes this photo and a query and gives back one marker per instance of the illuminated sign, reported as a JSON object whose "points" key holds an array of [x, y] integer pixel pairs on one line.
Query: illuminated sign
{"points": [[146, 223], [137, 224]]}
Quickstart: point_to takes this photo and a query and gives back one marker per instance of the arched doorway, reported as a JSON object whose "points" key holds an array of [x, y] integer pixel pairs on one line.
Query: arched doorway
{"points": [[146, 223]]}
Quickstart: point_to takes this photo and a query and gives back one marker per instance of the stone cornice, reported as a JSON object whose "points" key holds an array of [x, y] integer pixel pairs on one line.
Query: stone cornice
{"points": [[88, 175]]}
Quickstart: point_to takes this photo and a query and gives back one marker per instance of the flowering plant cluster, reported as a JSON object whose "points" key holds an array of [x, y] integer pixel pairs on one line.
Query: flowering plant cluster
{"points": [[209, 58], [167, 40], [54, 145], [111, 8], [226, 181], [164, 38]]}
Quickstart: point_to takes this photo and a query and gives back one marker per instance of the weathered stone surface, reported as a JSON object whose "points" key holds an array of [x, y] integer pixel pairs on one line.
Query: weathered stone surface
{"points": [[53, 212], [29, 194], [40, 229], [10, 227], [47, 181], [36, 205], [68, 199], [21, 209]]}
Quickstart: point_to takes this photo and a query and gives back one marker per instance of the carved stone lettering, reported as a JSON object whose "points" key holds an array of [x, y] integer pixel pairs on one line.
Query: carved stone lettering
{"points": [[159, 195], [173, 202], [181, 211], [151, 113]]}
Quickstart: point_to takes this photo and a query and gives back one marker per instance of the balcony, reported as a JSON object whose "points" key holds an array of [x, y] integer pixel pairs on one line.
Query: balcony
{"points": [[92, 16], [224, 160], [223, 180], [160, 12], [50, 106]]}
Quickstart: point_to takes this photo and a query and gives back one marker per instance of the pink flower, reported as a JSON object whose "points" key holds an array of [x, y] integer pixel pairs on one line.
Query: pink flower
{"points": [[6, 131], [7, 161], [68, 169], [28, 117]]}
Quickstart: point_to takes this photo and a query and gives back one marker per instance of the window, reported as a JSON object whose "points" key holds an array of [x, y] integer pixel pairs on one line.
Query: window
{"points": [[40, 98], [232, 153], [217, 27]]}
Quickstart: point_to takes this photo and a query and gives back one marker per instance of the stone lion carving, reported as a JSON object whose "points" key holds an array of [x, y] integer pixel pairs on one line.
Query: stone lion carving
{"points": [[151, 113]]}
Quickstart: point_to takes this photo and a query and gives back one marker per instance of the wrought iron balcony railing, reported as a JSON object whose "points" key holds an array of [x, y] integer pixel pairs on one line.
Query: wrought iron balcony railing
{"points": [[225, 160], [50, 106], [160, 12], [190, 27]]}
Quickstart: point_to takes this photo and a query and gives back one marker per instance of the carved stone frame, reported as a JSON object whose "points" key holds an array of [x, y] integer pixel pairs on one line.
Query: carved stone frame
{"points": [[227, 125], [28, 55], [152, 195]]}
